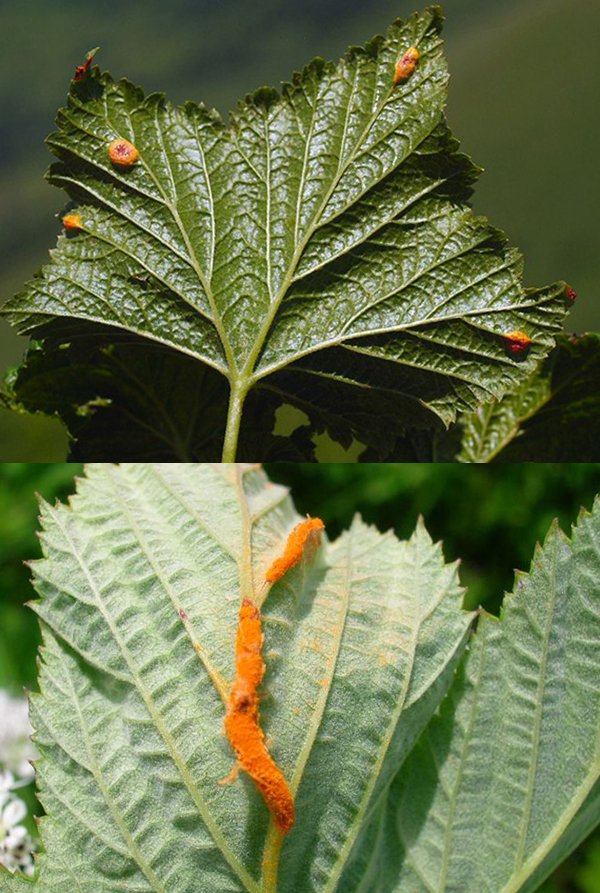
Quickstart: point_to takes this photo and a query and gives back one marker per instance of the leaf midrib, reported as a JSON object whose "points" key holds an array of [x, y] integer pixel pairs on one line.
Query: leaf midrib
{"points": [[249, 367], [325, 690], [355, 827], [539, 710]]}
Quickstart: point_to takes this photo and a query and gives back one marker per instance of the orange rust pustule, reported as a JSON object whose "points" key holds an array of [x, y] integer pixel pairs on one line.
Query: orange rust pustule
{"points": [[123, 153], [72, 222], [242, 720], [294, 548], [517, 344], [406, 65]]}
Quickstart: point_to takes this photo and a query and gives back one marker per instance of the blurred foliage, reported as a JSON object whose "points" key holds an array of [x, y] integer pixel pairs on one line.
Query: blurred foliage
{"points": [[19, 484], [489, 517], [524, 78]]}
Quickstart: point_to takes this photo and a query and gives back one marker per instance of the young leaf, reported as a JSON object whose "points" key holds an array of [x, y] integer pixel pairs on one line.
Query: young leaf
{"points": [[554, 416], [325, 227], [504, 782], [140, 588]]}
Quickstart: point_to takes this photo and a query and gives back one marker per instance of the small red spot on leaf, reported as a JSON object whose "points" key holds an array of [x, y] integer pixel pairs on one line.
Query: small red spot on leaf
{"points": [[82, 70], [570, 293], [517, 344], [183, 614]]}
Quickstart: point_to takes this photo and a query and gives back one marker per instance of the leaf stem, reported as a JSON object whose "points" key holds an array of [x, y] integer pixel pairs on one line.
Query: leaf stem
{"points": [[273, 845], [237, 396]]}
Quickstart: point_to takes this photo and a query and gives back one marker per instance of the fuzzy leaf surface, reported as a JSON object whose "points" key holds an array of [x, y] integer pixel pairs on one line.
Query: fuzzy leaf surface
{"points": [[504, 782], [325, 221], [140, 586]]}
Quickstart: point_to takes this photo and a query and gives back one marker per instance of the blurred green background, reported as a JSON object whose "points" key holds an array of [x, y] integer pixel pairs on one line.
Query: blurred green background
{"points": [[524, 81], [491, 518]]}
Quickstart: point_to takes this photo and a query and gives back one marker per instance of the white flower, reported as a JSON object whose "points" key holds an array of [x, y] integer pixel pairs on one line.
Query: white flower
{"points": [[6, 782], [16, 845], [16, 749]]}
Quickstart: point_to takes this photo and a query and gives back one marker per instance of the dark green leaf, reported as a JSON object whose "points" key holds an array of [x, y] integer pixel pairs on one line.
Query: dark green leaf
{"points": [[329, 219], [554, 416]]}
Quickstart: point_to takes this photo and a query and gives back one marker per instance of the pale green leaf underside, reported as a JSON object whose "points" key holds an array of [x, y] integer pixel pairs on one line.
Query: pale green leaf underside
{"points": [[504, 782], [360, 646], [331, 216]]}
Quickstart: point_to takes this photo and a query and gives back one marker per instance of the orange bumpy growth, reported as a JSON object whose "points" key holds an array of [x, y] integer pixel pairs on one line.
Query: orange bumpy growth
{"points": [[406, 65], [517, 344], [72, 221], [123, 153], [294, 548], [241, 721]]}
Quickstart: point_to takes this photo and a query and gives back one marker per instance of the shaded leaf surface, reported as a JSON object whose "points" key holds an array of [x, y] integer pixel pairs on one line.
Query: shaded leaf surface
{"points": [[140, 587], [327, 219], [123, 398], [553, 416]]}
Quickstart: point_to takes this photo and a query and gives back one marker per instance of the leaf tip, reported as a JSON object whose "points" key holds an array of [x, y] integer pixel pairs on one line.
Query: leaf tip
{"points": [[81, 71]]}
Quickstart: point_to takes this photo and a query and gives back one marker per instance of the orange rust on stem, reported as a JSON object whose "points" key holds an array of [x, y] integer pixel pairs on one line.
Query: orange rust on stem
{"points": [[406, 65], [294, 548], [242, 721]]}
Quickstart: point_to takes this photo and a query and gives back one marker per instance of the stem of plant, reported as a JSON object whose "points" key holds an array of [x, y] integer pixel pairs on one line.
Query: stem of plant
{"points": [[270, 865], [237, 396]]}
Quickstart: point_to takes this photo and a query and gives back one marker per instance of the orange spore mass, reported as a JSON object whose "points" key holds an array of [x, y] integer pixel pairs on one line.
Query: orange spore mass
{"points": [[242, 721], [406, 65], [123, 153], [294, 548], [72, 222], [517, 343]]}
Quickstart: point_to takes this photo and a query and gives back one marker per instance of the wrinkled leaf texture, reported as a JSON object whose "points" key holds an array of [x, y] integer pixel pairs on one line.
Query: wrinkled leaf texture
{"points": [[148, 562], [319, 248], [554, 416], [505, 781], [487, 793]]}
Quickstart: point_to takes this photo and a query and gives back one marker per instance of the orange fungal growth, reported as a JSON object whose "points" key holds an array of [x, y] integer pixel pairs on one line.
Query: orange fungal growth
{"points": [[517, 344], [406, 65], [72, 222], [242, 720], [122, 153], [294, 548]]}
